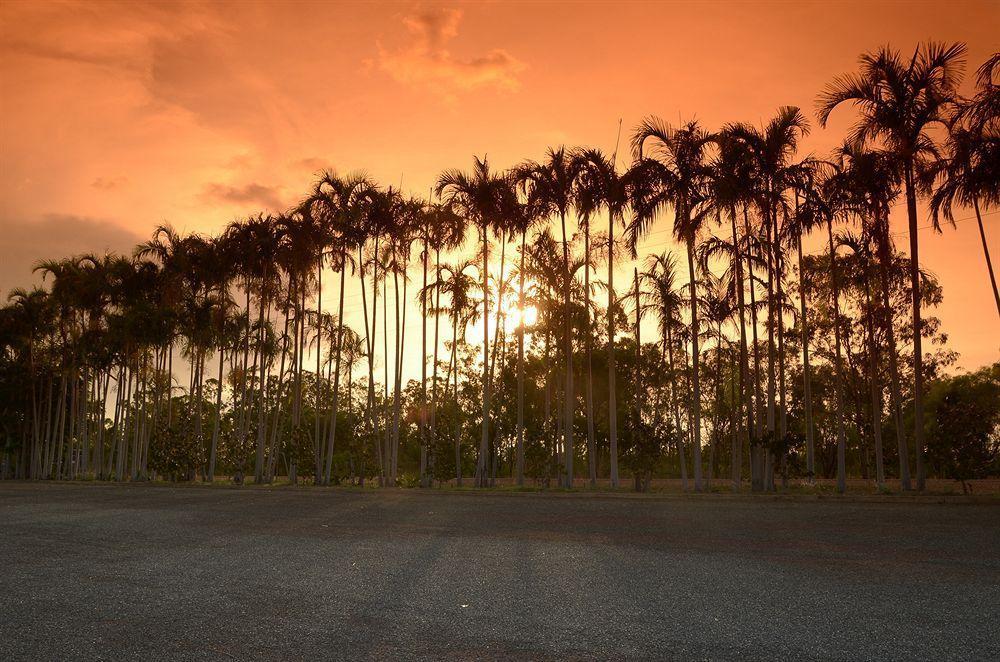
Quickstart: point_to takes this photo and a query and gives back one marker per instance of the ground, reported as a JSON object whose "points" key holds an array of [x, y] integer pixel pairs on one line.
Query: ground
{"points": [[142, 572]]}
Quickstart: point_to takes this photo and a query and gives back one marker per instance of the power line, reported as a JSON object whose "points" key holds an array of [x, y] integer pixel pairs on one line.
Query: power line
{"points": [[901, 233]]}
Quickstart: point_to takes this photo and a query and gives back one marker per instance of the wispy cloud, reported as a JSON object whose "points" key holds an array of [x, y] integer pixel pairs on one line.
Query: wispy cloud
{"points": [[427, 60], [108, 183], [312, 164], [259, 195]]}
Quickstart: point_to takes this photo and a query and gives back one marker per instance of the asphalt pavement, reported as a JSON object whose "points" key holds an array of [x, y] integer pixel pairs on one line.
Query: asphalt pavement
{"points": [[142, 572]]}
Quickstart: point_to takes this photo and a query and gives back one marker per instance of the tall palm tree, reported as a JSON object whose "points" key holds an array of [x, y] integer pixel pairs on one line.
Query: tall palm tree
{"points": [[718, 300], [807, 214], [871, 182], [599, 185], [769, 151], [666, 299], [522, 215], [836, 191], [478, 197], [444, 231], [863, 253], [457, 284], [675, 174], [969, 176], [550, 187], [343, 205], [899, 100], [732, 186]]}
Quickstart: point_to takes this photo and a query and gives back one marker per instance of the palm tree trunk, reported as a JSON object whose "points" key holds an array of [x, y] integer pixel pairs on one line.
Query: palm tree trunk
{"points": [[669, 350], [612, 388], [520, 368], [591, 449], [806, 368], [695, 362], [244, 423], [484, 441], [744, 360], [434, 369], [331, 440], [771, 356], [273, 446], [876, 390], [756, 474], [401, 352], [780, 320], [218, 416], [318, 420], [258, 470], [170, 383], [397, 374], [453, 368], [886, 317], [99, 457], [386, 427], [637, 378], [570, 399], [838, 387], [423, 371], [986, 251], [918, 357]]}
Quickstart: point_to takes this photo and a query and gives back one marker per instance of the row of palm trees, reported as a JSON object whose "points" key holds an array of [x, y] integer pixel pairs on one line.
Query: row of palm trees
{"points": [[741, 200]]}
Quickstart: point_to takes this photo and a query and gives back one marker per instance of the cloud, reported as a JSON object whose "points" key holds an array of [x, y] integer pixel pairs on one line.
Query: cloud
{"points": [[76, 55], [259, 195], [25, 242], [427, 61], [109, 183], [312, 164]]}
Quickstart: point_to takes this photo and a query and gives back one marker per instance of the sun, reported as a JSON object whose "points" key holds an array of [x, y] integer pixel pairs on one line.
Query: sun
{"points": [[515, 316]]}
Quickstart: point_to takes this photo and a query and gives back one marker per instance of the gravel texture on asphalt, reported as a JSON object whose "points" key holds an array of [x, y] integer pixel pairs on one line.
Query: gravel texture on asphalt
{"points": [[145, 573]]}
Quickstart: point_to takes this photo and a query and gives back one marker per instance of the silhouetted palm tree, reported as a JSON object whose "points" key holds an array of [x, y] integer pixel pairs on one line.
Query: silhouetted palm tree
{"points": [[478, 196], [550, 188], [676, 174], [599, 185], [968, 175], [899, 100], [665, 298]]}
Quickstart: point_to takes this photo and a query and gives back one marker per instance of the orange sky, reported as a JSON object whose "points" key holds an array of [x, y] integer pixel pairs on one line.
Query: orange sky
{"points": [[116, 117]]}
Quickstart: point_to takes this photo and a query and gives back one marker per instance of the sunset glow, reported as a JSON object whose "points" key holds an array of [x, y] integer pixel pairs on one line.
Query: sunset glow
{"points": [[121, 116]]}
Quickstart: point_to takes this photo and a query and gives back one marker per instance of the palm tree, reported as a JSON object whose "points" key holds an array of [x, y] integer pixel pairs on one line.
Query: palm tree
{"points": [[732, 185], [666, 299], [969, 175], [550, 188], [599, 185], [807, 214], [898, 103], [676, 175], [718, 299], [343, 206], [835, 192], [462, 309], [861, 247], [478, 197], [405, 213], [443, 230], [521, 215], [224, 324], [769, 151]]}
